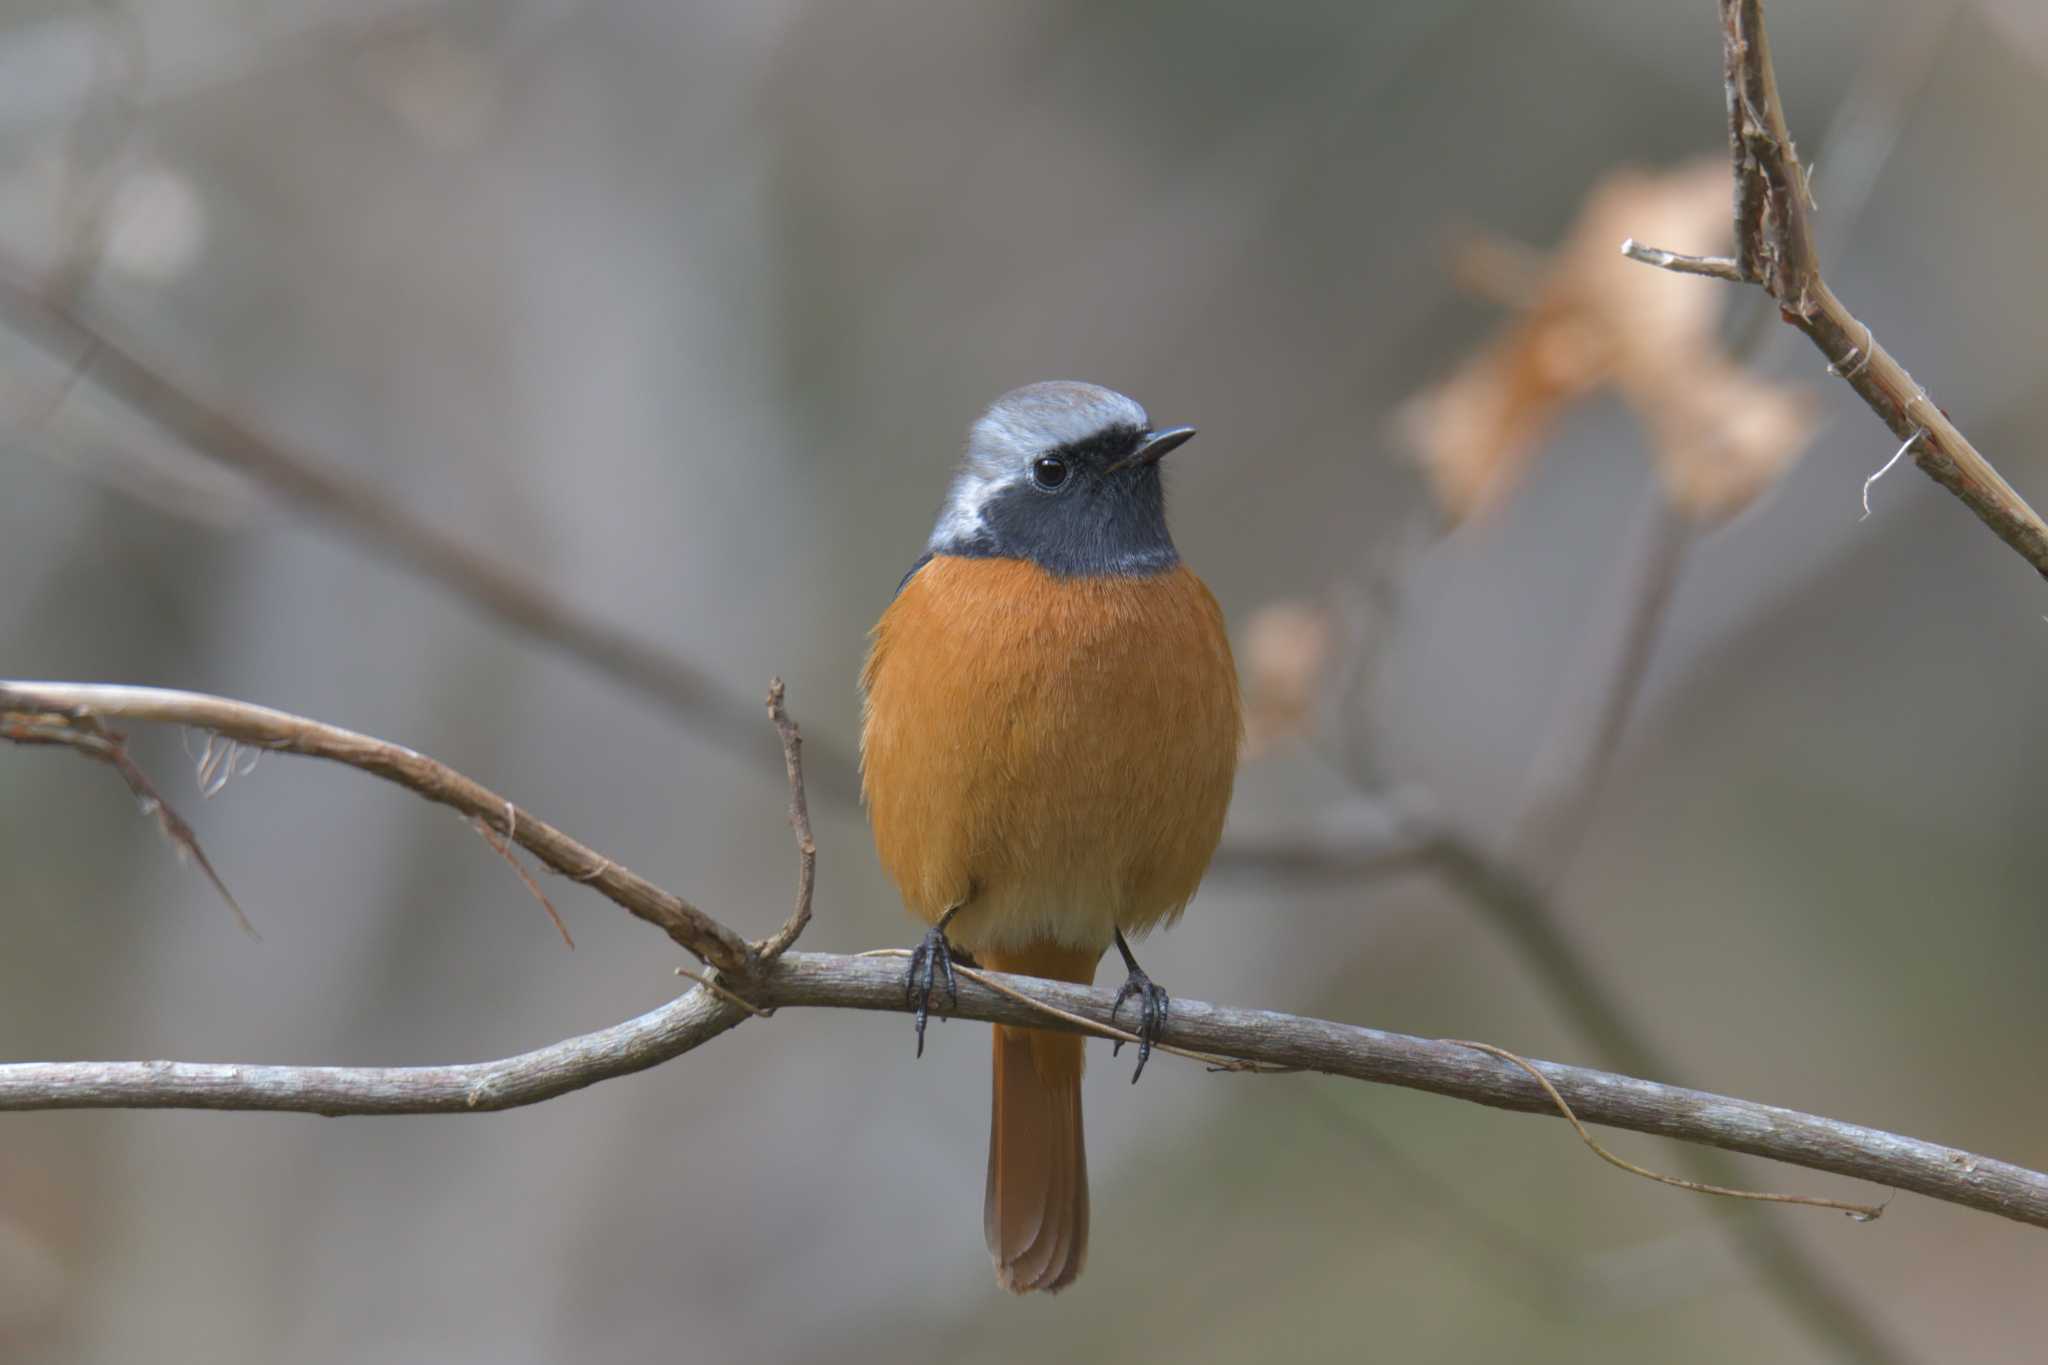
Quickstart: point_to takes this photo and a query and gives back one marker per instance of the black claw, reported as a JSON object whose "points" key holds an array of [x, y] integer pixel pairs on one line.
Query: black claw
{"points": [[931, 963], [1153, 1004]]}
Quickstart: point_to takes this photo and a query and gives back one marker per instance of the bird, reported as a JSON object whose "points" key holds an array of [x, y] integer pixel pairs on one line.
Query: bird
{"points": [[1049, 735]]}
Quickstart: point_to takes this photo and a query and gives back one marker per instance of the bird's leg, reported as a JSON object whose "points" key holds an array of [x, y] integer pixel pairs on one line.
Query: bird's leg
{"points": [[931, 963], [1152, 1006]]}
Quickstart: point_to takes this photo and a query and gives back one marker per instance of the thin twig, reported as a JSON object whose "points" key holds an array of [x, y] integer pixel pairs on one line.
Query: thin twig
{"points": [[56, 725], [1714, 267], [776, 944], [1775, 249], [1862, 1213], [504, 850]]}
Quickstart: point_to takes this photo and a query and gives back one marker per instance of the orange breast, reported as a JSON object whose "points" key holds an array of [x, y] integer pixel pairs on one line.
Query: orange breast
{"points": [[1056, 754]]}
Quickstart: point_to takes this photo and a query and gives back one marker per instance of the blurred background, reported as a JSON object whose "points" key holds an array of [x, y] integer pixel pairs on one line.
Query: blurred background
{"points": [[677, 314]]}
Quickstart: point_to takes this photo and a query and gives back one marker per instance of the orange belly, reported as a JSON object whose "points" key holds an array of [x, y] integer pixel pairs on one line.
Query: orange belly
{"points": [[1055, 755]]}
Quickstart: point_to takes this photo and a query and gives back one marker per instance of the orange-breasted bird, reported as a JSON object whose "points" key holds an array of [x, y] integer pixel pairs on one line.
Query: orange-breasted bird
{"points": [[1050, 731]]}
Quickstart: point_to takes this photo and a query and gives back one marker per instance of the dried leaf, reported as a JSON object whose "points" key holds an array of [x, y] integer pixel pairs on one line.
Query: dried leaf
{"points": [[1598, 319], [1474, 432], [1286, 650], [1652, 318], [1725, 437]]}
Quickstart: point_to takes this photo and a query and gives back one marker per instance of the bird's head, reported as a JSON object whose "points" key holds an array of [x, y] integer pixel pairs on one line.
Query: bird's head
{"points": [[1065, 475]]}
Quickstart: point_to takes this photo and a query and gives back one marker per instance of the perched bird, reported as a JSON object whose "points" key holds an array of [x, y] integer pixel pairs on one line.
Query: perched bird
{"points": [[1049, 734]]}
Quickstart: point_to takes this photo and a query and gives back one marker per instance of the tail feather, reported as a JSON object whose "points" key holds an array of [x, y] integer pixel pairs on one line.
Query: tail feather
{"points": [[1035, 1215]]}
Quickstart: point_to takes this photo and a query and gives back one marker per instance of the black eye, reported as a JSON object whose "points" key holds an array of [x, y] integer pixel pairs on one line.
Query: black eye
{"points": [[1049, 472]]}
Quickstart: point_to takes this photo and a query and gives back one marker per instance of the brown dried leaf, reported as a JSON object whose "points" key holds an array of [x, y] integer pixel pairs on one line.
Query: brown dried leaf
{"points": [[1474, 432], [1722, 437], [1652, 318], [1286, 648], [1725, 437]]}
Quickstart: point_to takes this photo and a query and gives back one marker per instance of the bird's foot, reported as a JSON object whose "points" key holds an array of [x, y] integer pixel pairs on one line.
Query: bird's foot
{"points": [[1153, 1003], [931, 968]]}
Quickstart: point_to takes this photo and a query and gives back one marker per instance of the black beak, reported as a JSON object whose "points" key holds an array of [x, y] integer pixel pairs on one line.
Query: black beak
{"points": [[1157, 444]]}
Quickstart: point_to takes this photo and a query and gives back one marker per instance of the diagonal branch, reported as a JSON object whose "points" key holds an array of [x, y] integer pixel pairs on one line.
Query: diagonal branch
{"points": [[1438, 1066], [1775, 249], [87, 703]]}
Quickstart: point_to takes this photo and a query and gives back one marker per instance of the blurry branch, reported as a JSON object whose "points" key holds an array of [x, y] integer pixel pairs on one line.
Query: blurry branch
{"points": [[1578, 751], [376, 520], [84, 706], [1775, 249], [1389, 840], [1866, 127], [1565, 781], [1440, 1067], [752, 983], [1721, 439], [1392, 837], [84, 198]]}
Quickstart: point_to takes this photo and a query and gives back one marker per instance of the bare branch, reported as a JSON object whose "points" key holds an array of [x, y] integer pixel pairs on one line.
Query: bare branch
{"points": [[1439, 1067], [1715, 267], [259, 725], [1580, 746], [1775, 249], [1261, 1039], [479, 1087], [370, 517]]}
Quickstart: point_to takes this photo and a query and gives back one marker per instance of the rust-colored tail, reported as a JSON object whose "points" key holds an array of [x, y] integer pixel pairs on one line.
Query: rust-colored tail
{"points": [[1036, 1212]]}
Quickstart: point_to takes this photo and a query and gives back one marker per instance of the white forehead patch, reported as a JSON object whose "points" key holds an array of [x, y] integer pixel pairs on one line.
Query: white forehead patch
{"points": [[1017, 428]]}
